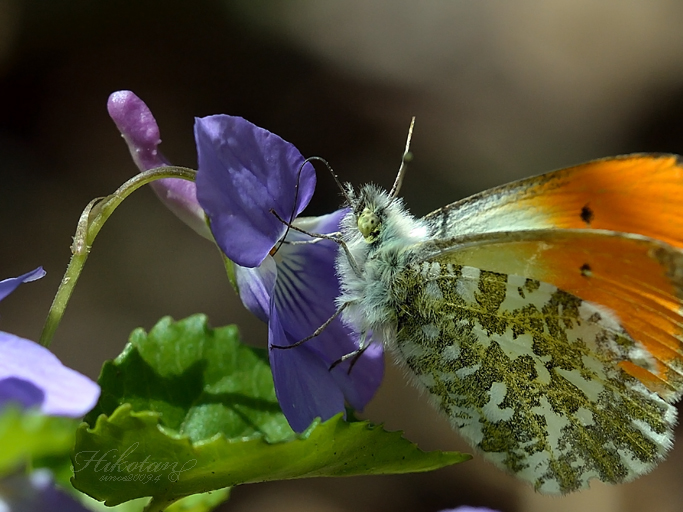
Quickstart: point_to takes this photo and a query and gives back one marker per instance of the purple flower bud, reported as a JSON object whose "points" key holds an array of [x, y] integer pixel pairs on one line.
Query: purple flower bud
{"points": [[140, 131]]}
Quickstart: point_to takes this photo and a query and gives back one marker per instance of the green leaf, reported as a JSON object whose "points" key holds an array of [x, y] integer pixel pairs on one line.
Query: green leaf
{"points": [[196, 503], [186, 410], [130, 455], [27, 435], [97, 506], [201, 381]]}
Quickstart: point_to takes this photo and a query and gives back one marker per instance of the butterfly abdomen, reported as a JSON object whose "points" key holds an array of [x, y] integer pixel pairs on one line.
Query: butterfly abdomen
{"points": [[529, 375]]}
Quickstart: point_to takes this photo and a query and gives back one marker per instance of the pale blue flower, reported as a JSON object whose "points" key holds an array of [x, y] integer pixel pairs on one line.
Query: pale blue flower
{"points": [[32, 376]]}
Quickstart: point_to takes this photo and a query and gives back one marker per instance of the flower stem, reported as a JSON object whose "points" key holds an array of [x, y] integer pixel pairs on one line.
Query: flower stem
{"points": [[91, 221]]}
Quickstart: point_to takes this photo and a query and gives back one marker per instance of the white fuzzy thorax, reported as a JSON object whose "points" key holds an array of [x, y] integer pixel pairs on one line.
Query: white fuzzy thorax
{"points": [[369, 296]]}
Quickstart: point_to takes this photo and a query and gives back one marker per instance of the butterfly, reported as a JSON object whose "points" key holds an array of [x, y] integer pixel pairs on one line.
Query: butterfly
{"points": [[543, 317]]}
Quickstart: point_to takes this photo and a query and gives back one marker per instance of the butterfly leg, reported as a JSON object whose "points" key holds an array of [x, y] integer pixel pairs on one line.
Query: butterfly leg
{"points": [[354, 356], [302, 242], [316, 332], [334, 237]]}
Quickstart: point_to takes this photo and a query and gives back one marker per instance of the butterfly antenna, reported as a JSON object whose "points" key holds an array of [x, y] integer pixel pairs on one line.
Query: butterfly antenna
{"points": [[296, 197], [335, 239], [407, 157], [293, 214], [334, 176]]}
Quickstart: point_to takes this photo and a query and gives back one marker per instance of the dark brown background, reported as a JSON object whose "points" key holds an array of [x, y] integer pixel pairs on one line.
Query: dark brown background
{"points": [[501, 90]]}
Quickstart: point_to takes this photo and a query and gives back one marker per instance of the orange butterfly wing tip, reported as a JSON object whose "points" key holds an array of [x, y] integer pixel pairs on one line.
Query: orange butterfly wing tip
{"points": [[633, 194], [638, 279], [638, 193]]}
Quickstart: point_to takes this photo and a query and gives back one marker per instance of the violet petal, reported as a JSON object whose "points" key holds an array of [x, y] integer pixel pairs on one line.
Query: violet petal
{"points": [[180, 196], [304, 296], [140, 131], [244, 173], [255, 287], [361, 384], [35, 493], [307, 283], [7, 286], [303, 385], [19, 391], [67, 392]]}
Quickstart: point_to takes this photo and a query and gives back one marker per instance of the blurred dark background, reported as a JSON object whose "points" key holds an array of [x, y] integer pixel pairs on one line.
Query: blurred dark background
{"points": [[500, 90]]}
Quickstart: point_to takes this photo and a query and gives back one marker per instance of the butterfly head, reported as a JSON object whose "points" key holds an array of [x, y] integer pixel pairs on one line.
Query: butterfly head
{"points": [[369, 208], [376, 218], [369, 225]]}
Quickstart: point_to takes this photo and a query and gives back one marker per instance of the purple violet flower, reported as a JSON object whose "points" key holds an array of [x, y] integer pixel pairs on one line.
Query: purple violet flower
{"points": [[244, 173], [35, 493], [32, 376]]}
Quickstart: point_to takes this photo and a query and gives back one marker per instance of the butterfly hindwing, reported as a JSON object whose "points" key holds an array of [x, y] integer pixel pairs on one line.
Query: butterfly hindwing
{"points": [[528, 374], [639, 280]]}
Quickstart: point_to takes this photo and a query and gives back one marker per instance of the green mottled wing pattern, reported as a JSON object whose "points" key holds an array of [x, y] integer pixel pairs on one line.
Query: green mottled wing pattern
{"points": [[528, 374]]}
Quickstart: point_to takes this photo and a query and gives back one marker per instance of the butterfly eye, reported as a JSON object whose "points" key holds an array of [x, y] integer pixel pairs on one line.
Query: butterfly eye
{"points": [[368, 222]]}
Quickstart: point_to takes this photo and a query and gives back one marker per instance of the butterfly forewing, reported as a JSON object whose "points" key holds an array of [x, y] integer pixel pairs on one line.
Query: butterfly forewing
{"points": [[632, 194], [529, 374]]}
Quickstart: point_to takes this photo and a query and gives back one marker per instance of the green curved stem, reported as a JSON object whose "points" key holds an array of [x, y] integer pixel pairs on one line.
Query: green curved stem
{"points": [[91, 221]]}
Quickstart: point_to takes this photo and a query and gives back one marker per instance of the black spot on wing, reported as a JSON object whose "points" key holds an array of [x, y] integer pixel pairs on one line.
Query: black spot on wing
{"points": [[586, 270], [587, 214]]}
